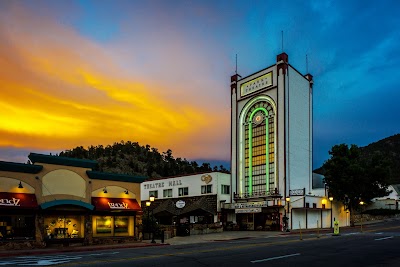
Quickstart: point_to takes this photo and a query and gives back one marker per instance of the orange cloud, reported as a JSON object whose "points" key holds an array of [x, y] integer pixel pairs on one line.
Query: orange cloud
{"points": [[60, 90]]}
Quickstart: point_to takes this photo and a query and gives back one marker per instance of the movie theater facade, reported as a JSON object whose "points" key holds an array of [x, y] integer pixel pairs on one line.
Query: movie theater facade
{"points": [[58, 199]]}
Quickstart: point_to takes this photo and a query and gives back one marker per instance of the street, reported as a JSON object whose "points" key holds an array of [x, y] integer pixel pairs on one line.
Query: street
{"points": [[377, 245]]}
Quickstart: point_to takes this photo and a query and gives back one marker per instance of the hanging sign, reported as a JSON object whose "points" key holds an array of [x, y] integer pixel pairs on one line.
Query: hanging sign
{"points": [[180, 204]]}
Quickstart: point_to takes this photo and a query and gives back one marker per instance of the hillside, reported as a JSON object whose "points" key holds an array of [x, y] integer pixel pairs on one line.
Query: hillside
{"points": [[132, 158], [389, 148]]}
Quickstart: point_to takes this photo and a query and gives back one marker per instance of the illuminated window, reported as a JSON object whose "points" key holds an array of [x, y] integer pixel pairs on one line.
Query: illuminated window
{"points": [[259, 152]]}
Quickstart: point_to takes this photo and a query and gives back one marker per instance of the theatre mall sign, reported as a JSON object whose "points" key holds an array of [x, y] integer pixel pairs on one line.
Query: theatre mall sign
{"points": [[163, 184]]}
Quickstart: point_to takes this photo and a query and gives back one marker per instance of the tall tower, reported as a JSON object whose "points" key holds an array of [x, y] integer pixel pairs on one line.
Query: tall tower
{"points": [[271, 129]]}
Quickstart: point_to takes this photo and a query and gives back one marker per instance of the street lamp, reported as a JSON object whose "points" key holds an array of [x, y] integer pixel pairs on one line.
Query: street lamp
{"points": [[361, 203], [331, 200], [148, 203], [288, 211]]}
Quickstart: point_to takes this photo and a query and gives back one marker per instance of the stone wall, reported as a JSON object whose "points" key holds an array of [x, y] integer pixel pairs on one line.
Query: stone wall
{"points": [[371, 218]]}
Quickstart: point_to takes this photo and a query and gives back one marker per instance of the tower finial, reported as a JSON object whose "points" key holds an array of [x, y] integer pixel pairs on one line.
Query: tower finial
{"points": [[236, 65], [282, 40], [306, 63]]}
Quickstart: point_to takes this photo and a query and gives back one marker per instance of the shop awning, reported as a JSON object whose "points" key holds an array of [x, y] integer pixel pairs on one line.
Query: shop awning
{"points": [[17, 201], [115, 204]]}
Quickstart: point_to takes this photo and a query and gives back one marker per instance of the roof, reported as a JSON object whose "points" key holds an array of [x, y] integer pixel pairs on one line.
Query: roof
{"points": [[19, 167], [115, 177], [83, 163], [397, 188]]}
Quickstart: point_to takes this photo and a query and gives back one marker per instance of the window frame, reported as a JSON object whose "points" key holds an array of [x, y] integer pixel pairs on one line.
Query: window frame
{"points": [[225, 189], [181, 191], [208, 189], [167, 190]]}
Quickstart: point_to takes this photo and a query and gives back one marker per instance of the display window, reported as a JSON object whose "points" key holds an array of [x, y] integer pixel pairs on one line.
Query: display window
{"points": [[113, 225], [63, 226], [17, 227]]}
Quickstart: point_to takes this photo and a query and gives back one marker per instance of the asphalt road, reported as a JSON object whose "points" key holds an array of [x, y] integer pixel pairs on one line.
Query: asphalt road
{"points": [[377, 245]]}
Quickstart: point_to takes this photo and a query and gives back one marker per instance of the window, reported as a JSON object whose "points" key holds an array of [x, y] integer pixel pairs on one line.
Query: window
{"points": [[167, 193], [206, 189], [184, 191], [153, 193], [259, 155], [225, 189]]}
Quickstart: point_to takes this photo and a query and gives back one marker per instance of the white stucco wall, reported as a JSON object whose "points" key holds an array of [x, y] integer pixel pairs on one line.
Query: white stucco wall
{"points": [[299, 127]]}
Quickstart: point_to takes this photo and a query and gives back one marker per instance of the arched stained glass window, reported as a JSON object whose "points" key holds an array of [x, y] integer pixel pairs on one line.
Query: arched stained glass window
{"points": [[259, 149]]}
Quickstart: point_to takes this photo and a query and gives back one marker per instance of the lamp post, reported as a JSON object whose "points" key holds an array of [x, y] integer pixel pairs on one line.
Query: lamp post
{"points": [[331, 200], [361, 203], [152, 198], [288, 211]]}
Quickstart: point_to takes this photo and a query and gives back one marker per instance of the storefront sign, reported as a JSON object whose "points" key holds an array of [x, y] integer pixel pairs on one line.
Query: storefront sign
{"points": [[10, 202], [180, 204], [122, 205], [259, 204], [250, 210], [17, 200], [163, 184], [103, 203]]}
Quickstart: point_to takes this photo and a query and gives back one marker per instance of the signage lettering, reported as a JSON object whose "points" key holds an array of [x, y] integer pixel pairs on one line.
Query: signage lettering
{"points": [[163, 184], [10, 202], [121, 205], [175, 183], [258, 204], [250, 210], [256, 84]]}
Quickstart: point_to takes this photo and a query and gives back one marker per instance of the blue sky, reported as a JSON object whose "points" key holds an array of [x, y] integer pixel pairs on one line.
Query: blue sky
{"points": [[163, 69]]}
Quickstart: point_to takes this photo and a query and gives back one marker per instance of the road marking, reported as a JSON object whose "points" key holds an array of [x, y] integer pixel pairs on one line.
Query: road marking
{"points": [[276, 258], [383, 238], [46, 260], [381, 233]]}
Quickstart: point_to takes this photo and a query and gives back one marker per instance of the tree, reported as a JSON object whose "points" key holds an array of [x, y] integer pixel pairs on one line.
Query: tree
{"points": [[352, 178]]}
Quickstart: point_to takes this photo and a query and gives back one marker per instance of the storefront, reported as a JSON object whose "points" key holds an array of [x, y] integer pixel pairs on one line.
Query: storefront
{"points": [[62, 200], [191, 202], [114, 216], [17, 215]]}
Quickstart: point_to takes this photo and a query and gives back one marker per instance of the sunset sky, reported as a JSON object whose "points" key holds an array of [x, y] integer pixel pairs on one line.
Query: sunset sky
{"points": [[86, 73]]}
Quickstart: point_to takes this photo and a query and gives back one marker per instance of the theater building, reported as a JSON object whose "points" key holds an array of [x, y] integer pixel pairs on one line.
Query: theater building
{"points": [[271, 151], [58, 199], [188, 199]]}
